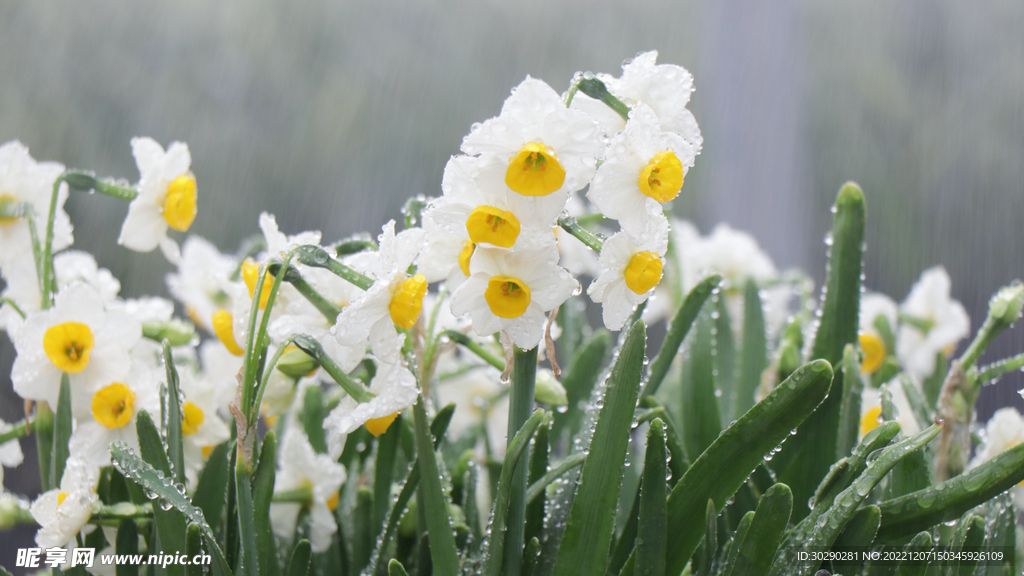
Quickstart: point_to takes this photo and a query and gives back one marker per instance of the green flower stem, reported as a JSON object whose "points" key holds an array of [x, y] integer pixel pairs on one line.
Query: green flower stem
{"points": [[986, 334], [123, 510], [570, 225], [474, 347], [354, 389], [114, 190], [329, 309], [20, 430], [997, 369], [267, 371], [596, 89], [571, 462], [12, 304], [524, 379], [47, 279], [316, 256], [298, 496]]}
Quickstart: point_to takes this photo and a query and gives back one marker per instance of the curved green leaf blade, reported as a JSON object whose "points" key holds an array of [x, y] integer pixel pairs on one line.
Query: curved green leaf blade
{"points": [[443, 553], [579, 382], [709, 546], [170, 524], [756, 545], [849, 410], [62, 425], [651, 535], [299, 564], [923, 541], [173, 418], [589, 529], [262, 494], [753, 351], [701, 418]]}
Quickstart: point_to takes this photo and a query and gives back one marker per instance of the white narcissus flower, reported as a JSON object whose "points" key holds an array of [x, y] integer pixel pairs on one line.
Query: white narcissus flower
{"points": [[1003, 431], [201, 427], [10, 452], [76, 336], [871, 409], [75, 266], [395, 298], [666, 88], [874, 305], [299, 467], [111, 412], [732, 253], [631, 271], [446, 255], [645, 168], [933, 323], [200, 280], [167, 197], [64, 512], [547, 147], [512, 290], [22, 288], [23, 180], [395, 389]]}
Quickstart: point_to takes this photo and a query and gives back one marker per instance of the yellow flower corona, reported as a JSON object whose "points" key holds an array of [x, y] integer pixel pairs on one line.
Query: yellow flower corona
{"points": [[378, 426], [223, 326], [5, 197], [332, 502], [407, 301], [662, 178], [643, 272], [535, 171], [468, 247], [68, 345], [180, 206], [507, 297], [493, 226], [870, 420], [60, 498], [250, 273], [874, 353], [113, 405], [192, 418]]}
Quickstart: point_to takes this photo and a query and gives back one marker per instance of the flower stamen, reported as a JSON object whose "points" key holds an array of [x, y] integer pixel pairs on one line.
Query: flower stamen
{"points": [[180, 205], [487, 224], [68, 345], [407, 302], [535, 171], [662, 178], [643, 272], [507, 297], [113, 405]]}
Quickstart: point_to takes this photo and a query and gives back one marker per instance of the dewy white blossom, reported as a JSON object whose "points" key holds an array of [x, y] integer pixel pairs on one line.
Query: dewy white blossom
{"points": [[666, 88], [732, 253], [547, 148], [201, 426], [23, 180], [75, 266], [445, 255], [934, 323], [631, 271], [395, 389], [10, 453], [394, 298], [511, 290], [166, 199], [22, 289], [1003, 431], [299, 467], [76, 336], [645, 167], [64, 512], [200, 280], [871, 409], [873, 306]]}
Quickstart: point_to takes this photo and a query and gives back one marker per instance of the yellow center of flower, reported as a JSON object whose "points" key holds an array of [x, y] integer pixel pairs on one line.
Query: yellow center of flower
{"points": [[507, 297], [250, 273], [493, 226], [535, 171], [180, 206], [662, 178], [874, 353], [223, 327], [61, 496], [67, 345], [643, 272], [112, 406], [378, 426], [870, 420], [6, 197], [407, 302], [191, 418], [468, 247], [332, 502]]}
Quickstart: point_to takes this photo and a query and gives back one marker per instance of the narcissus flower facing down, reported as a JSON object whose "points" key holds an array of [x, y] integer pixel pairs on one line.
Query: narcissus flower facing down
{"points": [[167, 197], [933, 323], [395, 389], [511, 291], [200, 280], [300, 468], [546, 147], [64, 512], [631, 270]]}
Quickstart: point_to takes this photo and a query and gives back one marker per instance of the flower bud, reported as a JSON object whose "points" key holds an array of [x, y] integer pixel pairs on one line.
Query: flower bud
{"points": [[295, 363], [81, 180], [549, 390], [176, 332], [1006, 305]]}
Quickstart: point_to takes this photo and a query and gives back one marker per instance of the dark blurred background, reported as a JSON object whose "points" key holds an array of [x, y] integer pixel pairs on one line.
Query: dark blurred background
{"points": [[331, 114]]}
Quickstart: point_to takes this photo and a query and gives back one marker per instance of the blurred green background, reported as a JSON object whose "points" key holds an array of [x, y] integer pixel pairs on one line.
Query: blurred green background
{"points": [[330, 114]]}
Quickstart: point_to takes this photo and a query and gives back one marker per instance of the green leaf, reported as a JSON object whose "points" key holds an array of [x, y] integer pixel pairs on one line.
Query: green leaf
{"points": [[861, 529], [800, 464], [362, 529], [384, 472], [846, 470], [262, 494], [521, 403], [918, 404], [249, 560], [537, 488], [734, 547], [170, 524], [43, 427], [724, 467], [62, 428], [312, 417], [923, 541], [538, 468], [709, 546], [579, 382], [493, 560], [299, 563], [211, 493], [754, 352], [677, 330], [193, 548], [175, 449], [849, 410], [127, 544], [827, 528], [701, 420], [443, 553], [530, 556], [948, 500], [588, 533], [395, 568], [154, 482], [755, 545], [651, 535], [725, 358]]}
